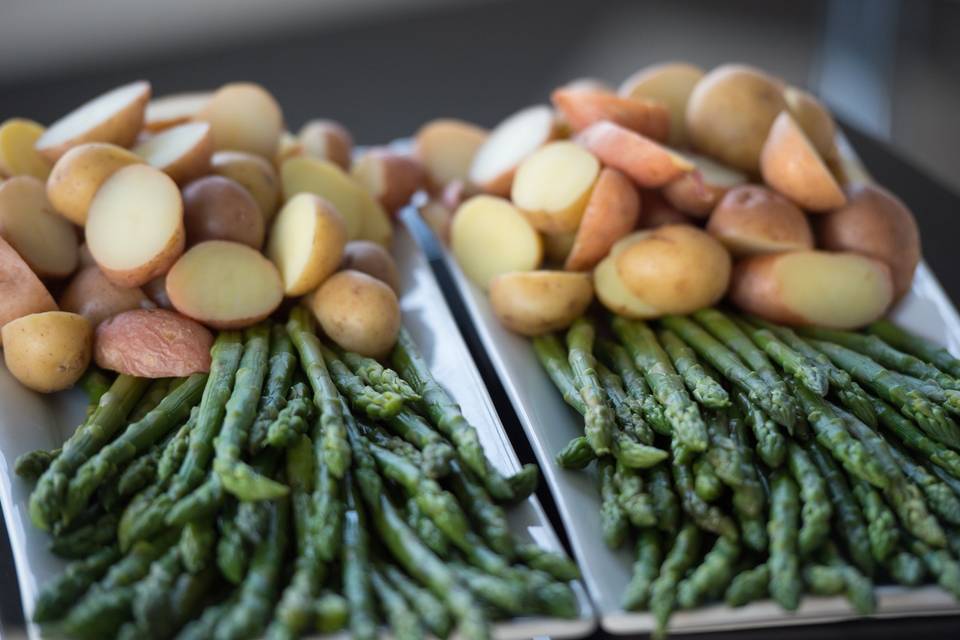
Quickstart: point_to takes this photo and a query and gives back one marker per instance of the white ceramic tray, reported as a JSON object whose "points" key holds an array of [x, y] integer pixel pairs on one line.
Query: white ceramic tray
{"points": [[550, 424], [30, 421]]}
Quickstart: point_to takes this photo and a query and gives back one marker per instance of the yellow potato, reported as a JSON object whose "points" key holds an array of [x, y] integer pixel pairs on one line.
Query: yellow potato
{"points": [[91, 295], [217, 208], [224, 285], [612, 292], [77, 176], [553, 184], [28, 222], [327, 140], [182, 152], [489, 236], [372, 259], [115, 117], [254, 174], [135, 225], [752, 220], [21, 292], [496, 160], [438, 217], [815, 120], [47, 351], [17, 153], [358, 312], [389, 176], [327, 180], [289, 146], [244, 117], [446, 148], [535, 302], [670, 83], [178, 108], [306, 243]]}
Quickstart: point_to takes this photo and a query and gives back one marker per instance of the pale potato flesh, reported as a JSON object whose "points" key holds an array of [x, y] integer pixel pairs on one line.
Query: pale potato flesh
{"points": [[327, 180], [225, 285], [47, 351], [327, 140], [254, 174], [78, 174], [389, 176], [615, 296], [447, 148], [535, 302], [815, 120], [17, 153], [489, 236], [553, 184], [182, 152], [306, 243], [134, 223], [168, 111], [670, 83], [244, 117], [28, 221], [508, 144]]}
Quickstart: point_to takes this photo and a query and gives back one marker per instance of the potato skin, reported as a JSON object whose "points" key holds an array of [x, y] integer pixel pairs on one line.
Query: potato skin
{"points": [[649, 164], [358, 312], [581, 107], [656, 212], [534, 302], [91, 295], [327, 140], [47, 351], [21, 292], [253, 173], [372, 259], [78, 174], [876, 223], [611, 213], [217, 208], [752, 219], [670, 83], [153, 343]]}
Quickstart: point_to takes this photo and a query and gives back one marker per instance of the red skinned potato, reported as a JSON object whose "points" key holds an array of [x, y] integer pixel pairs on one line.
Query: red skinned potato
{"points": [[611, 213], [327, 140], [837, 290], [532, 303], [446, 148], [655, 211], [390, 177], [698, 192], [649, 164], [876, 223], [91, 295], [791, 165], [753, 220], [508, 144], [21, 292], [217, 208], [582, 107], [670, 84], [153, 343]]}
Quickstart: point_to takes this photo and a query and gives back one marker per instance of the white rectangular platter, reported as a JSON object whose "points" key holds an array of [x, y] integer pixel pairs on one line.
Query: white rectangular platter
{"points": [[31, 421], [550, 424]]}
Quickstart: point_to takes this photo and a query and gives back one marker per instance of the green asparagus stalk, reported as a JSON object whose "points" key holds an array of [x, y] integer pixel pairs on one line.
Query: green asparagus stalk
{"points": [[617, 358], [645, 570], [437, 452], [941, 565], [665, 504], [552, 355], [32, 465], [153, 611], [357, 571], [231, 553], [706, 516], [816, 511], [599, 424], [882, 529], [432, 612], [910, 435], [202, 502], [944, 502], [56, 596], [749, 501], [403, 620], [293, 420], [95, 382], [426, 530], [705, 481], [489, 518], [613, 519], [703, 387], [577, 454], [771, 444], [711, 577], [378, 376], [748, 586], [634, 501], [663, 592], [906, 568], [363, 398], [198, 540], [142, 471], [917, 346], [175, 450], [629, 418], [86, 539], [156, 391], [809, 372], [784, 563], [554, 563], [282, 366], [204, 626]]}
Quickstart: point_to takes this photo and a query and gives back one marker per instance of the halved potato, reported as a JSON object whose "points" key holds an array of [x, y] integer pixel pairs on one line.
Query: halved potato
{"points": [[115, 117], [372, 259], [753, 220], [790, 164], [838, 290], [156, 290], [489, 236], [18, 156], [29, 223], [47, 351], [321, 177], [535, 302], [552, 186], [21, 292], [611, 213], [670, 83], [135, 225], [611, 290], [243, 116], [699, 191], [253, 173], [390, 177], [91, 295], [582, 107], [85, 258], [327, 140], [557, 246], [78, 174], [306, 243], [289, 146], [649, 164], [656, 212], [438, 217], [217, 208], [446, 148], [225, 285], [178, 108], [153, 343], [182, 152], [358, 312], [507, 145], [815, 120]]}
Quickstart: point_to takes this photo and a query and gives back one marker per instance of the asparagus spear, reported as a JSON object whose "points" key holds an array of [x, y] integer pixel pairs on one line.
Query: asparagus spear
{"points": [[629, 418], [621, 363], [156, 391], [910, 435], [682, 555], [706, 516], [928, 351], [648, 356], [141, 472], [859, 588], [634, 501], [175, 450], [645, 570], [437, 452], [378, 376], [69, 586], [197, 543], [231, 552], [431, 610], [282, 365], [47, 500], [32, 465], [703, 387], [750, 501], [941, 565], [599, 424], [86, 539], [944, 502], [364, 399], [882, 529], [748, 586], [809, 372], [489, 518], [426, 530], [613, 520], [577, 454], [771, 445], [705, 481], [906, 568], [95, 382], [153, 612], [293, 420], [403, 620], [784, 563], [665, 504], [554, 563], [357, 572], [552, 355], [711, 577], [816, 511]]}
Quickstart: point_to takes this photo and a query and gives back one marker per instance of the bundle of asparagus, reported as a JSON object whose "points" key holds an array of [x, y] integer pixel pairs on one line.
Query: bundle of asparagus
{"points": [[294, 488], [750, 460]]}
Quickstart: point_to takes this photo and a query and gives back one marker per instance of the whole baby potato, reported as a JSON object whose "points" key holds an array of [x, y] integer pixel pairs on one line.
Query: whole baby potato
{"points": [[536, 302], [358, 312], [217, 208], [47, 351], [371, 258], [91, 295], [153, 343], [752, 220]]}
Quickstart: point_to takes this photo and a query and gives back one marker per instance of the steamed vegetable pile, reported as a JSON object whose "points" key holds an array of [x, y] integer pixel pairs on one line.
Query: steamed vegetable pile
{"points": [[745, 460], [678, 190]]}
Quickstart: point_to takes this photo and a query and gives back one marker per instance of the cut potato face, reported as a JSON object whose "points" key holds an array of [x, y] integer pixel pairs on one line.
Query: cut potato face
{"points": [[753, 220], [18, 155], [815, 120], [612, 292], [532, 303], [289, 146], [671, 84], [649, 164], [224, 285], [169, 111], [115, 117], [358, 312], [21, 292], [507, 145], [446, 148], [244, 117], [699, 191], [611, 213], [327, 140], [582, 107], [791, 165], [372, 259], [439, 218], [47, 351], [254, 174], [837, 290], [390, 177], [306, 243], [46, 241], [553, 184], [327, 180], [489, 236], [78, 174], [217, 208], [182, 152], [135, 225], [153, 343], [91, 295]]}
